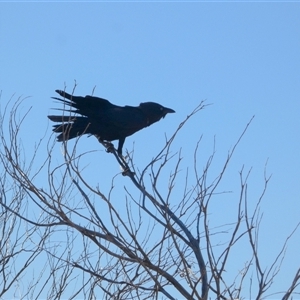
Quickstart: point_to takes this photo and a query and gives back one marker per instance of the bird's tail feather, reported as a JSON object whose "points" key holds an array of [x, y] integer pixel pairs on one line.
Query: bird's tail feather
{"points": [[64, 101], [62, 118], [70, 128], [70, 100], [64, 94]]}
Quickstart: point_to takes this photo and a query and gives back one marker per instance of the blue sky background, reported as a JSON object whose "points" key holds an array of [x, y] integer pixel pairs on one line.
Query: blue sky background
{"points": [[241, 57]]}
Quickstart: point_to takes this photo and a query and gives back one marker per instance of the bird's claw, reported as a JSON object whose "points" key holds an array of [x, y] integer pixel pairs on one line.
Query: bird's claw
{"points": [[128, 172], [109, 148]]}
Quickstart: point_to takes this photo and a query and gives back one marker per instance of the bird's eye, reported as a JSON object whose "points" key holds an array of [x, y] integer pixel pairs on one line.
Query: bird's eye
{"points": [[161, 108]]}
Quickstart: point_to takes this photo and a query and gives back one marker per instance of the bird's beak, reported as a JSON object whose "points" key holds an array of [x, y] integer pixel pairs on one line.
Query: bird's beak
{"points": [[168, 110]]}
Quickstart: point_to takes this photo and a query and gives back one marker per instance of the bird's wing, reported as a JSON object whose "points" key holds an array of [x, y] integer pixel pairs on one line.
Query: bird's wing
{"points": [[128, 118], [119, 122], [87, 106]]}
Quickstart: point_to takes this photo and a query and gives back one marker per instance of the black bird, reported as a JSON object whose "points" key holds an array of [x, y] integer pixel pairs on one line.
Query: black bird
{"points": [[106, 121]]}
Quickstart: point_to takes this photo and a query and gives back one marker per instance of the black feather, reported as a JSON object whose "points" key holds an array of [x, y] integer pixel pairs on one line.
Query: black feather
{"points": [[99, 117]]}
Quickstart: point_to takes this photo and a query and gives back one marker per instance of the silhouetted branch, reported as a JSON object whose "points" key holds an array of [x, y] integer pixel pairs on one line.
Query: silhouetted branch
{"points": [[153, 237]]}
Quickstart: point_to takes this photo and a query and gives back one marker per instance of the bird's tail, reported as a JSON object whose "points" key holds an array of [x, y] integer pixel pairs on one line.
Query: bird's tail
{"points": [[70, 127], [64, 94], [68, 100]]}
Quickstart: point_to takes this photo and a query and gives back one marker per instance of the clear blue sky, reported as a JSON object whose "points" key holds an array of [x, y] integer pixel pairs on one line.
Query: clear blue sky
{"points": [[242, 57]]}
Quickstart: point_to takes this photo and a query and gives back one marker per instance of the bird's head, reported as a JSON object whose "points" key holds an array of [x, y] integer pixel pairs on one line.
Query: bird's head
{"points": [[155, 111]]}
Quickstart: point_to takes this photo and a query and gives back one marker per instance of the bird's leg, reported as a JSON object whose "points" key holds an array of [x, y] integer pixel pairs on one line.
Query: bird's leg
{"points": [[120, 146], [126, 170], [122, 160]]}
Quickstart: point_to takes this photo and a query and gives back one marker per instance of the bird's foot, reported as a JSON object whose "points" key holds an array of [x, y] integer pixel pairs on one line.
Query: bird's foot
{"points": [[109, 147], [128, 172]]}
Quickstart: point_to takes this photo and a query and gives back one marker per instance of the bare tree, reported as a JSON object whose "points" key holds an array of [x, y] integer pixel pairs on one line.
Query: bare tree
{"points": [[63, 236]]}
